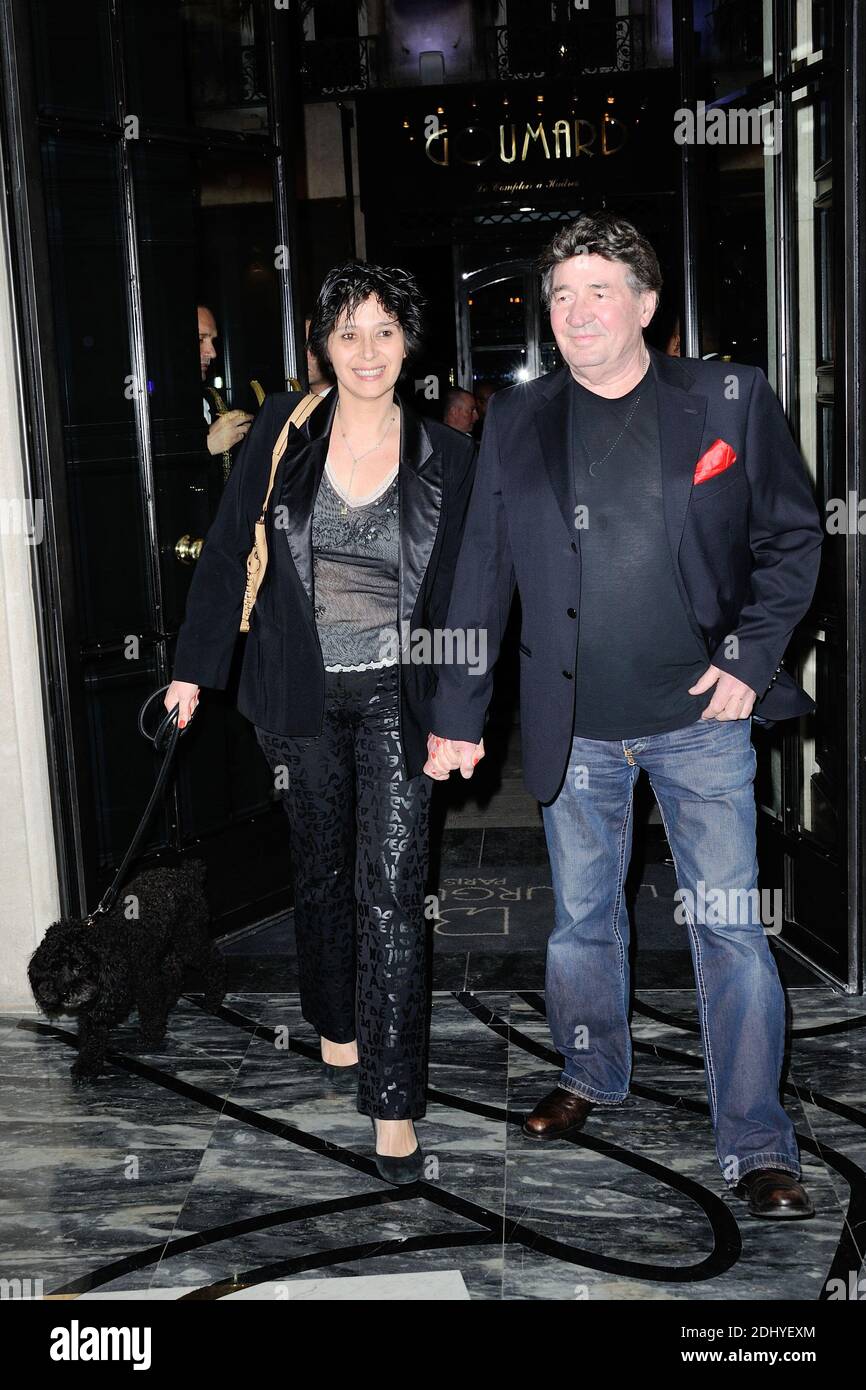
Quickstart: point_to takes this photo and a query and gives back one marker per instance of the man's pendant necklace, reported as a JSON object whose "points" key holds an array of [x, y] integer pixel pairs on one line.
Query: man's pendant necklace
{"points": [[356, 458], [597, 462]]}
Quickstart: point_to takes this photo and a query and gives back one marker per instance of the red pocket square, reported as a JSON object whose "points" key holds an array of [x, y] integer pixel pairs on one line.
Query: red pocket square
{"points": [[718, 457]]}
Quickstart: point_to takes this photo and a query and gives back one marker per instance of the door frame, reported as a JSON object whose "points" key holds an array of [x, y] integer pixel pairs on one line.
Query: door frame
{"points": [[849, 64], [467, 281], [56, 616]]}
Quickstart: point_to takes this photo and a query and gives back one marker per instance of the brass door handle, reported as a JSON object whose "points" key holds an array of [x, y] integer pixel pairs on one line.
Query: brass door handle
{"points": [[188, 550]]}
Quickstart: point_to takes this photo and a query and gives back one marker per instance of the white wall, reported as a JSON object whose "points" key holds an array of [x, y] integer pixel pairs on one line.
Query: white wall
{"points": [[28, 874]]}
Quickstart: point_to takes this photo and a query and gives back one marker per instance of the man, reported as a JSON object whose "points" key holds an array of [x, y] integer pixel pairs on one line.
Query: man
{"points": [[232, 426], [654, 514], [483, 391], [459, 409], [318, 376]]}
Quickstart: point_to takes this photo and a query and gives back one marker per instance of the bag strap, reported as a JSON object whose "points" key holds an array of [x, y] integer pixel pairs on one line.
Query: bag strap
{"points": [[299, 416]]}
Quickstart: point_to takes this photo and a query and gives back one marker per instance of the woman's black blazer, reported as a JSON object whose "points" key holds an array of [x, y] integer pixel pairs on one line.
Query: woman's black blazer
{"points": [[281, 685]]}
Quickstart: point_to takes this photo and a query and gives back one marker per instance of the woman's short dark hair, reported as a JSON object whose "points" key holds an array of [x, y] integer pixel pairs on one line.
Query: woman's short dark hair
{"points": [[603, 234], [347, 286]]}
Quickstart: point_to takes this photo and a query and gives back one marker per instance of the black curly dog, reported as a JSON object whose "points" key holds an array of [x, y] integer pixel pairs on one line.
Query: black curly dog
{"points": [[133, 956]]}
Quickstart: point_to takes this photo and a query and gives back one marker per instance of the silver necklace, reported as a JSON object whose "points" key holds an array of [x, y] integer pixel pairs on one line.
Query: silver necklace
{"points": [[597, 462], [356, 458]]}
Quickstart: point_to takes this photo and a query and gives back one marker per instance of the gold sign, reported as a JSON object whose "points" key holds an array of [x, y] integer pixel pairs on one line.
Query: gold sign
{"points": [[475, 145]]}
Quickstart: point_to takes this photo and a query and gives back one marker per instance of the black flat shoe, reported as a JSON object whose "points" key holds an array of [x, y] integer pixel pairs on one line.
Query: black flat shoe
{"points": [[341, 1078], [398, 1170]]}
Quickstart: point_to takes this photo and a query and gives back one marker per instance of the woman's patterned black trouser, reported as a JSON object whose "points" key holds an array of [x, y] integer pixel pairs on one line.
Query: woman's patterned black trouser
{"points": [[359, 843]]}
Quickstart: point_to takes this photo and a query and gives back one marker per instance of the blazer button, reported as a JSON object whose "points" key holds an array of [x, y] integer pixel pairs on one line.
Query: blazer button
{"points": [[569, 675], [572, 612]]}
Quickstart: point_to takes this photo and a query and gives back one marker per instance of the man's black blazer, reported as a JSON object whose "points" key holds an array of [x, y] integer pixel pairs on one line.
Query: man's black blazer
{"points": [[281, 686], [744, 545]]}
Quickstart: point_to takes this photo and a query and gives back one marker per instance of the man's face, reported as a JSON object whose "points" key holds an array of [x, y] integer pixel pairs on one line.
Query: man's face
{"points": [[482, 397], [462, 413], [207, 334], [314, 370], [596, 318]]}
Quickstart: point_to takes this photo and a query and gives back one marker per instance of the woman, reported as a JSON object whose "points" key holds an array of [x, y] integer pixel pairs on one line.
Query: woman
{"points": [[363, 530]]}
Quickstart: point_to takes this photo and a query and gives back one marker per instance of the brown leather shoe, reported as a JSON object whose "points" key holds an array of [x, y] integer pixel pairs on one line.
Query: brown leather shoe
{"points": [[776, 1193], [558, 1114]]}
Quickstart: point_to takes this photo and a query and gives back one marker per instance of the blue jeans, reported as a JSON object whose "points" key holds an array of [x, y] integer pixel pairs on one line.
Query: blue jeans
{"points": [[702, 777]]}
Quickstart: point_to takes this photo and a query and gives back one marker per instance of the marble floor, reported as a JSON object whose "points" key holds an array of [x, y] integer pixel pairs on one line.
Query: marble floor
{"points": [[222, 1166]]}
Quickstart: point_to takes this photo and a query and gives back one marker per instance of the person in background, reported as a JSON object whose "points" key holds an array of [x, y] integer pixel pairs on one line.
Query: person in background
{"points": [[228, 429], [483, 391], [460, 411], [321, 379]]}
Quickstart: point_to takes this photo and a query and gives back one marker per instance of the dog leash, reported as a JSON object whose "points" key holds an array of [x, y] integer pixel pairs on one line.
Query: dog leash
{"points": [[167, 734]]}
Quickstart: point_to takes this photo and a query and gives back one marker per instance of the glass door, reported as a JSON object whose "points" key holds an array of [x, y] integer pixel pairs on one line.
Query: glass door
{"points": [[812, 841], [503, 336], [778, 246], [150, 131]]}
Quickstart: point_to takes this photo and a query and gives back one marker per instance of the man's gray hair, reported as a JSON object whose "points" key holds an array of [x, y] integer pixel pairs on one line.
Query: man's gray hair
{"points": [[454, 396], [603, 234]]}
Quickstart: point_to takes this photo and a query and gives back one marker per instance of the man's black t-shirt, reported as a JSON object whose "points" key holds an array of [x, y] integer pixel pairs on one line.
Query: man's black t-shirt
{"points": [[637, 651]]}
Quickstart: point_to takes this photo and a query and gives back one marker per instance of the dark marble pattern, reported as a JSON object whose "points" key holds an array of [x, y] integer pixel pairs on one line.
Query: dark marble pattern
{"points": [[223, 1164]]}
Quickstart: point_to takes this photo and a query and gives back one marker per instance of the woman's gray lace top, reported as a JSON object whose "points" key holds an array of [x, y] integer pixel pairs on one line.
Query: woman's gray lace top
{"points": [[355, 573]]}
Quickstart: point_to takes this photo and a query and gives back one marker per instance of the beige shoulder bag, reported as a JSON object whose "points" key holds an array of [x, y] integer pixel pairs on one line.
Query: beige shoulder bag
{"points": [[257, 559]]}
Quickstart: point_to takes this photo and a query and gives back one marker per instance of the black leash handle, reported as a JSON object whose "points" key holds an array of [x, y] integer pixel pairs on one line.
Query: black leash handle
{"points": [[166, 736]]}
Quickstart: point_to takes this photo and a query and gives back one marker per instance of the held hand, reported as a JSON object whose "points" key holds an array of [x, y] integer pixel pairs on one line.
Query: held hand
{"points": [[186, 696], [444, 754], [732, 699], [227, 431]]}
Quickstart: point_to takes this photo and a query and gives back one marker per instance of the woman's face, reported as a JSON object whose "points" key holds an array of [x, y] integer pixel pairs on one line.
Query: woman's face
{"points": [[367, 351]]}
